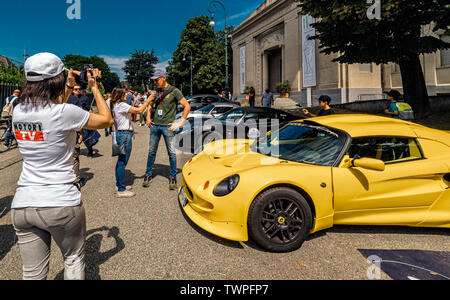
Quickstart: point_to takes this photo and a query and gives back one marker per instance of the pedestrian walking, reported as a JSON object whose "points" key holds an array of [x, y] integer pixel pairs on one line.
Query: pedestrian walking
{"points": [[47, 203], [160, 122], [8, 108], [122, 113], [252, 97], [267, 98]]}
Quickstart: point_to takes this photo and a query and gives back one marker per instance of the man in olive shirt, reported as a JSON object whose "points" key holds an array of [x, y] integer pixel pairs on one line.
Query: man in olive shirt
{"points": [[161, 124]]}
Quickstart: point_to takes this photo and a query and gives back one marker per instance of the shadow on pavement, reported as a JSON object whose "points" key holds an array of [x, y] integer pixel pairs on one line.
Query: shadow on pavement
{"points": [[208, 235], [163, 171], [95, 258], [5, 205], [86, 175], [8, 240]]}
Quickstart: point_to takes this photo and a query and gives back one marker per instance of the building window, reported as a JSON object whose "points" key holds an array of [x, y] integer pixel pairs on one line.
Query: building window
{"points": [[445, 53], [397, 68], [365, 68]]}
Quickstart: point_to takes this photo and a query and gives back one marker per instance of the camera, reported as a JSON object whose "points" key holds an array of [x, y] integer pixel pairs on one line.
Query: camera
{"points": [[84, 74]]}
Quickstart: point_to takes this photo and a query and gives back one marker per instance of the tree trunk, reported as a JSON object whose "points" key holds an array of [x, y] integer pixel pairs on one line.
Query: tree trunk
{"points": [[414, 87]]}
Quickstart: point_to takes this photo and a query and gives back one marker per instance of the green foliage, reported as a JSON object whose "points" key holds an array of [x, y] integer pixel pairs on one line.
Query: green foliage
{"points": [[12, 74], [284, 87], [404, 30], [208, 58], [344, 28], [110, 80], [140, 67], [247, 90]]}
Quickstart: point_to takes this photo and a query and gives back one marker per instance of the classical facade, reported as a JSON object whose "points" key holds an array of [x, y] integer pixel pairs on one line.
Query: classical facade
{"points": [[271, 47]]}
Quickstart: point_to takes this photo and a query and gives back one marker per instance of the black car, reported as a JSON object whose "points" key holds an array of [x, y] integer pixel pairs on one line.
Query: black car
{"points": [[200, 101], [240, 123]]}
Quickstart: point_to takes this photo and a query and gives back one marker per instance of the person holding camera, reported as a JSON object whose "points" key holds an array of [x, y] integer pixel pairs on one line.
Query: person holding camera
{"points": [[161, 124], [47, 203], [122, 113]]}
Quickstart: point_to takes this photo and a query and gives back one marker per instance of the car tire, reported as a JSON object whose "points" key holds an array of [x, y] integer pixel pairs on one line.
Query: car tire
{"points": [[279, 220]]}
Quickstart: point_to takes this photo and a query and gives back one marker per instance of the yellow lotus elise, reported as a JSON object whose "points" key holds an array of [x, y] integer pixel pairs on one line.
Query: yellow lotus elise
{"points": [[312, 174]]}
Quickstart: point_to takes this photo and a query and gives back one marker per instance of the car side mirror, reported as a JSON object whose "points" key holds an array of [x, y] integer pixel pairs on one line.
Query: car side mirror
{"points": [[369, 164]]}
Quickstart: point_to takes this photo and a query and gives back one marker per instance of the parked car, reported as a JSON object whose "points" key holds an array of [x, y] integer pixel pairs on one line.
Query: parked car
{"points": [[244, 122], [210, 111], [200, 101], [317, 173]]}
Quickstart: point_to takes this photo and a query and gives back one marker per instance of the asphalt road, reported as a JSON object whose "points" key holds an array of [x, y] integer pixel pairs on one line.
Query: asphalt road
{"points": [[147, 237]]}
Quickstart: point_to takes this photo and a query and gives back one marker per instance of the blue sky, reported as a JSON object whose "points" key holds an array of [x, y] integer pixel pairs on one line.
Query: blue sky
{"points": [[111, 29]]}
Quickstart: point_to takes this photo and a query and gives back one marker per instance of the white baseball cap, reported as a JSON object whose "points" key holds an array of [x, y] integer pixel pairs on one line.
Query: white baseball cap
{"points": [[43, 66]]}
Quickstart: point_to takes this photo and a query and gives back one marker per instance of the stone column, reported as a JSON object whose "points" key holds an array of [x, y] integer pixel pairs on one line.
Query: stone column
{"points": [[265, 70]]}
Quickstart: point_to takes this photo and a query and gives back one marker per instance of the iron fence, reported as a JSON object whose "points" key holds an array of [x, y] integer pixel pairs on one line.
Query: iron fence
{"points": [[6, 90]]}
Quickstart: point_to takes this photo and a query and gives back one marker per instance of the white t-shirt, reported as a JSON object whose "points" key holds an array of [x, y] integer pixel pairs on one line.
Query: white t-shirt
{"points": [[46, 138], [122, 116]]}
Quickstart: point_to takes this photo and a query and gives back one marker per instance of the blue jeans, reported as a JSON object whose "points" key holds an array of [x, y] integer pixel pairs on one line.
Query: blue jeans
{"points": [[155, 137], [123, 137], [8, 135]]}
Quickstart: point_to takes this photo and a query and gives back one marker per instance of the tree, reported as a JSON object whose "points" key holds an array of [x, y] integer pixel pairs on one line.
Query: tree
{"points": [[208, 53], [110, 80], [399, 36], [12, 74], [140, 67]]}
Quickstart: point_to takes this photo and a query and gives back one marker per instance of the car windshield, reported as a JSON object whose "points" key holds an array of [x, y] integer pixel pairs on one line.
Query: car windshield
{"points": [[233, 115], [302, 143], [205, 110]]}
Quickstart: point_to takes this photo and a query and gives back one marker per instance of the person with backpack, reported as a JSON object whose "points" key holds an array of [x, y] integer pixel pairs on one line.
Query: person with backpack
{"points": [[399, 110], [10, 103], [160, 120], [392, 109]]}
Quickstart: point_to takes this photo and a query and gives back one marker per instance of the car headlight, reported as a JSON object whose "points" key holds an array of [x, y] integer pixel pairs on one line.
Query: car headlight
{"points": [[226, 186]]}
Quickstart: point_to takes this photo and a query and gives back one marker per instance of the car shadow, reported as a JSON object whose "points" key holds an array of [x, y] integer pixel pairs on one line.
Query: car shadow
{"points": [[208, 235], [95, 258]]}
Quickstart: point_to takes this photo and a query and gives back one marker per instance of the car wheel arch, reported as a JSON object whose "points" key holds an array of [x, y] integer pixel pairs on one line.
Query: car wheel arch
{"points": [[292, 187]]}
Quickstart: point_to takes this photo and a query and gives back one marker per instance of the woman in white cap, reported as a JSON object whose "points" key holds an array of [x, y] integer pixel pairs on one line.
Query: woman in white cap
{"points": [[47, 203]]}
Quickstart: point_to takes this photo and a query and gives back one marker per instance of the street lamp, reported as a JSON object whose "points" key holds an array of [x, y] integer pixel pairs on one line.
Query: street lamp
{"points": [[184, 59], [212, 8]]}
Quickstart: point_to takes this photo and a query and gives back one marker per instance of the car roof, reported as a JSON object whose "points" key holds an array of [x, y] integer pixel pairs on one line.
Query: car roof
{"points": [[360, 125]]}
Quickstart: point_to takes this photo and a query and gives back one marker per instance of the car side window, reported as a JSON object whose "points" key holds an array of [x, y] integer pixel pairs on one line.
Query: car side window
{"points": [[210, 100], [387, 149], [221, 110], [196, 100]]}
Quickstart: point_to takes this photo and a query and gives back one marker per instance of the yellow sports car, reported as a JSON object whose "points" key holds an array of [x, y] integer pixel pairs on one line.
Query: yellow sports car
{"points": [[312, 174]]}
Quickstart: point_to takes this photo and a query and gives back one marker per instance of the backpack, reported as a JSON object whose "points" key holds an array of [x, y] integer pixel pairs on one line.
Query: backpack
{"points": [[9, 107], [405, 111]]}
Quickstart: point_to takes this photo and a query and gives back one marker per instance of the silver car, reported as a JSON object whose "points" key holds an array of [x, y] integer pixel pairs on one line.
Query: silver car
{"points": [[211, 111]]}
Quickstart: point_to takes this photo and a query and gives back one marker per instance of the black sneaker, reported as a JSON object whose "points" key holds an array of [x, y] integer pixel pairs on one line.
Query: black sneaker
{"points": [[147, 181], [173, 184]]}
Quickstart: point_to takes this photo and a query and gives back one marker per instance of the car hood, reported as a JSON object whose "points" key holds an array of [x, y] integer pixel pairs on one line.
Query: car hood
{"points": [[225, 158]]}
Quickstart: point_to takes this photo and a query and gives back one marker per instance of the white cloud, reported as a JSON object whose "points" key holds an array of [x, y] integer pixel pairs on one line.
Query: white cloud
{"points": [[162, 65], [116, 64]]}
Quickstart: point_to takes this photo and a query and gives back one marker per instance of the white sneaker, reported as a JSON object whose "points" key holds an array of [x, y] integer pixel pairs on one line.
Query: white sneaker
{"points": [[128, 188], [126, 194]]}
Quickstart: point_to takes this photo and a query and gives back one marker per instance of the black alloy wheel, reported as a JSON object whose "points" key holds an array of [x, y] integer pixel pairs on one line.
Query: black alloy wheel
{"points": [[280, 220]]}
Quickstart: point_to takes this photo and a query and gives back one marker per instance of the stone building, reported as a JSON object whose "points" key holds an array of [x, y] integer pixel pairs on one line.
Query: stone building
{"points": [[271, 46]]}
